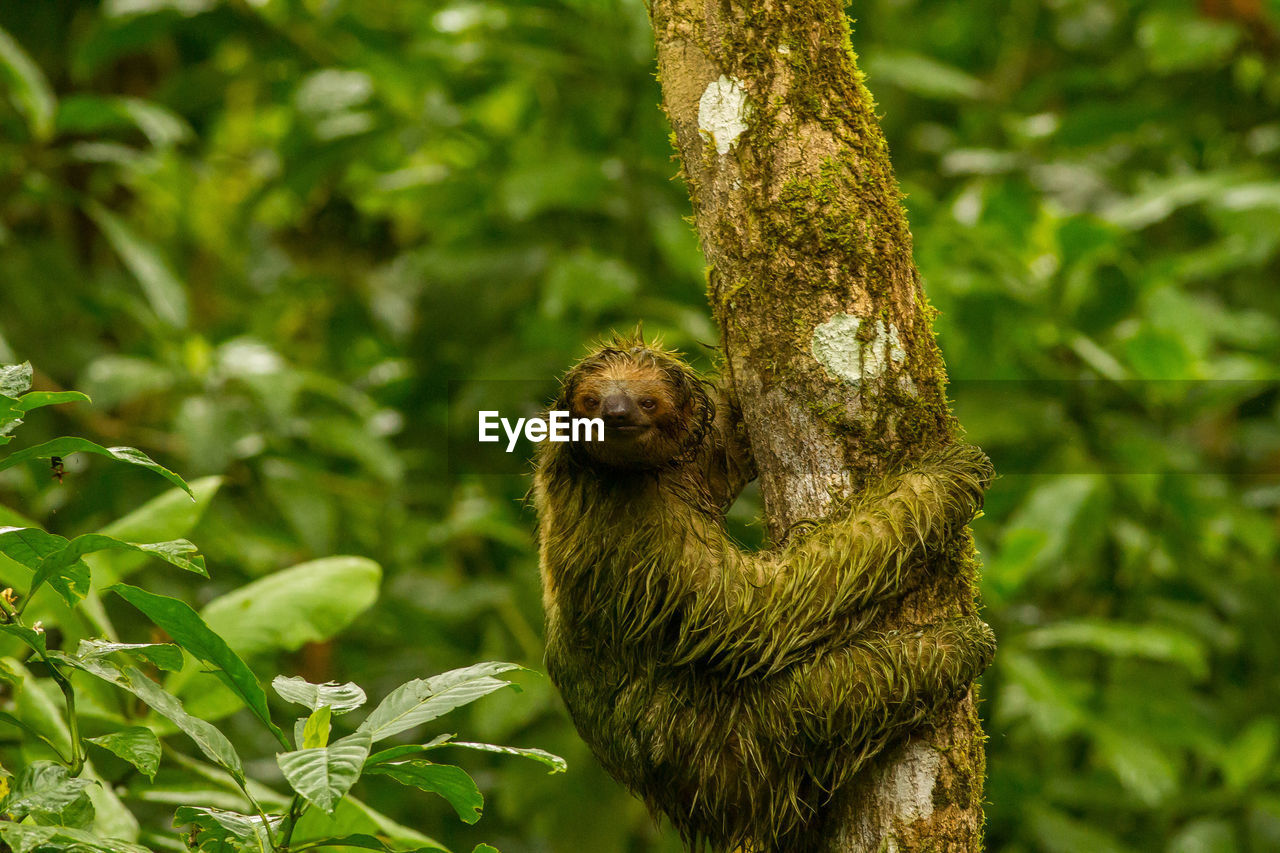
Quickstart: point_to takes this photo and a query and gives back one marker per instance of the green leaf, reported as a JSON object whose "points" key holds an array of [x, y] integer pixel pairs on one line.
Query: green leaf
{"points": [[315, 733], [354, 817], [340, 698], [396, 753], [130, 8], [211, 742], [14, 378], [171, 515], [68, 445], [190, 632], [1153, 642], [484, 848], [422, 700], [10, 418], [922, 75], [28, 88], [137, 745], [308, 603], [40, 399], [1142, 768], [219, 826], [452, 783], [24, 838], [1058, 833], [33, 639], [555, 762], [1206, 835], [167, 296], [368, 842], [48, 794], [29, 546], [1251, 754], [115, 379], [1181, 41], [10, 719], [1157, 354], [324, 775], [175, 553], [164, 656], [95, 114]]}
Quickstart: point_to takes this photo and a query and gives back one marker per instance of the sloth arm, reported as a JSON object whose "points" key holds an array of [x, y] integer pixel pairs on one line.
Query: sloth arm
{"points": [[727, 463], [757, 614]]}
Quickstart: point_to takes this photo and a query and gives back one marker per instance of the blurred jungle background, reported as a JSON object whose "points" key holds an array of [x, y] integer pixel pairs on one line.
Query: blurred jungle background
{"points": [[268, 237]]}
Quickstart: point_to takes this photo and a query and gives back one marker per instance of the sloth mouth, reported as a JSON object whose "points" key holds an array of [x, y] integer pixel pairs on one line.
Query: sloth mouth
{"points": [[630, 429]]}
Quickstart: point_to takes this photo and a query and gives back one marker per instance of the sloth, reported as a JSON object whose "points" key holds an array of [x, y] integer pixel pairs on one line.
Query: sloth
{"points": [[734, 692]]}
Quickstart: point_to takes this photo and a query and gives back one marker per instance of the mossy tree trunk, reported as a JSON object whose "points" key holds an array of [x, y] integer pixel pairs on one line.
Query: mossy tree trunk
{"points": [[826, 331]]}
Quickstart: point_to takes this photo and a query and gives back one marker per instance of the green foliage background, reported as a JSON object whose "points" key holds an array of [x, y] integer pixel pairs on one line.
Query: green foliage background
{"points": [[265, 235]]}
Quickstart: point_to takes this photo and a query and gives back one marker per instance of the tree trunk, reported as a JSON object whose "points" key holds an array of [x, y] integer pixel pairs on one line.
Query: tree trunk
{"points": [[826, 331]]}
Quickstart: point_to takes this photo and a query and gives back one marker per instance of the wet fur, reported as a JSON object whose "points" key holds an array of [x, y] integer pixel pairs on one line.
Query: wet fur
{"points": [[735, 691]]}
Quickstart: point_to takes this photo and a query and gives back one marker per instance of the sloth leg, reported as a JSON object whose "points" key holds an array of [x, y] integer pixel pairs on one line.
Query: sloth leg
{"points": [[865, 694]]}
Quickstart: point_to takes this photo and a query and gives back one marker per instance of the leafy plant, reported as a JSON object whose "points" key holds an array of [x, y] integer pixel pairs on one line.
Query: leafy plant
{"points": [[58, 801]]}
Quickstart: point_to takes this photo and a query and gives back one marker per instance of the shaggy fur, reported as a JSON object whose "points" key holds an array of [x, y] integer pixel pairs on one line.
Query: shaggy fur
{"points": [[734, 691]]}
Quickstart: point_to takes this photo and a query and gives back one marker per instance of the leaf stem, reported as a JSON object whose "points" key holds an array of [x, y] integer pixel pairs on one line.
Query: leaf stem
{"points": [[76, 764], [295, 813]]}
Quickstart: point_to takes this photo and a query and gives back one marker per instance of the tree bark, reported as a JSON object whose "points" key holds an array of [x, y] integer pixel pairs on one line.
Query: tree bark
{"points": [[826, 332]]}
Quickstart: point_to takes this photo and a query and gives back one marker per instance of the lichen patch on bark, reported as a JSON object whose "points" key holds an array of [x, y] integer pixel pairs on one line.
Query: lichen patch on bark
{"points": [[838, 346], [722, 112]]}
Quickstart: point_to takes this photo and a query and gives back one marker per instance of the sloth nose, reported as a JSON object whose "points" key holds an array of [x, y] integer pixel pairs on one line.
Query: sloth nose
{"points": [[619, 410]]}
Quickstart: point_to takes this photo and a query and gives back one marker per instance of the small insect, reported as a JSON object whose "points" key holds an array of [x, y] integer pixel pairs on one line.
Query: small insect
{"points": [[55, 466]]}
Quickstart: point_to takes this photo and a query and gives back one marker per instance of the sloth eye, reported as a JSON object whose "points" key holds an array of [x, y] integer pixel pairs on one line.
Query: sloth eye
{"points": [[590, 402], [648, 404]]}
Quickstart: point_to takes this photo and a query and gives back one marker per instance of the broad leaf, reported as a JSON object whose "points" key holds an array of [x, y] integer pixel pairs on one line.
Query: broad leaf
{"points": [[423, 700], [190, 632], [179, 552], [396, 753], [31, 92], [1119, 639], [33, 639], [30, 545], [167, 296], [219, 826], [555, 762], [164, 656], [47, 794], [10, 418], [324, 775], [452, 783], [354, 817], [212, 742], [307, 603], [170, 515], [15, 378], [315, 731], [68, 445], [40, 399], [137, 745], [369, 842], [24, 838], [18, 723], [340, 698]]}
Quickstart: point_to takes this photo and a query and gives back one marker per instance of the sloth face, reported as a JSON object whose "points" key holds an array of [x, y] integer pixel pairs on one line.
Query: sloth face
{"points": [[650, 406]]}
